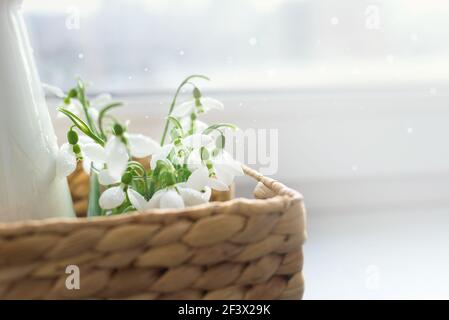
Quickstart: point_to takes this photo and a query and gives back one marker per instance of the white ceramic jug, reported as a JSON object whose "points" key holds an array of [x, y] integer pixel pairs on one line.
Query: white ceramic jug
{"points": [[28, 187]]}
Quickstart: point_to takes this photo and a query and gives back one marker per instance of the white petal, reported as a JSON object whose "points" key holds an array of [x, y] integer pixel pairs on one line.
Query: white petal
{"points": [[161, 155], [193, 197], [156, 198], [137, 200], [112, 198], [87, 165], [184, 109], [201, 126], [225, 161], [197, 141], [211, 104], [53, 90], [217, 185], [65, 161], [105, 178], [101, 99], [83, 140], [194, 160], [224, 176], [207, 193], [95, 152], [116, 156], [198, 179], [142, 146], [171, 199], [75, 107]]}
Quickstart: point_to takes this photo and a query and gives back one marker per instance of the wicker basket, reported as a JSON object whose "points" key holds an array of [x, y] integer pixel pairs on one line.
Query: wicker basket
{"points": [[238, 249]]}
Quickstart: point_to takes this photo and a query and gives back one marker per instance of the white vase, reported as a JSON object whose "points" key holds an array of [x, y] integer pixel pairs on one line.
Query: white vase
{"points": [[28, 187]]}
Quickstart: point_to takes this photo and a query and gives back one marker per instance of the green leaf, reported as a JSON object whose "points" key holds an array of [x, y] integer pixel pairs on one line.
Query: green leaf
{"points": [[218, 126], [80, 124], [94, 195]]}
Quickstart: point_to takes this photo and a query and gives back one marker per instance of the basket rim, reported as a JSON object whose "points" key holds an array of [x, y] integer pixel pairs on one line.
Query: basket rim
{"points": [[284, 197]]}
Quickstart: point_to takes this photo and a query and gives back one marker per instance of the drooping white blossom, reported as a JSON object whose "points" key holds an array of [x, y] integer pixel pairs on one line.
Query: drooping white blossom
{"points": [[115, 155], [185, 109], [224, 167], [194, 141], [172, 197]]}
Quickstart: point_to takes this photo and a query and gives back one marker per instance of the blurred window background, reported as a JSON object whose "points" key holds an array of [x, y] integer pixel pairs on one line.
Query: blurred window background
{"points": [[357, 92], [140, 46]]}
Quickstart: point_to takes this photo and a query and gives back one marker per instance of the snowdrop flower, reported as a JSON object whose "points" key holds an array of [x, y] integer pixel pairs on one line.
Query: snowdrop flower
{"points": [[115, 155], [194, 141], [205, 104], [75, 106], [172, 197], [67, 158], [224, 167], [200, 178]]}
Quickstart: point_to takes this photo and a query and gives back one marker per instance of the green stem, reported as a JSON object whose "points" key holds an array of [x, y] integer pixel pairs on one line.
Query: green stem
{"points": [[172, 106]]}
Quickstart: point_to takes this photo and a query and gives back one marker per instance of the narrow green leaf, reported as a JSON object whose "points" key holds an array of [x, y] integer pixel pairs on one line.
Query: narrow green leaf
{"points": [[80, 124], [218, 126]]}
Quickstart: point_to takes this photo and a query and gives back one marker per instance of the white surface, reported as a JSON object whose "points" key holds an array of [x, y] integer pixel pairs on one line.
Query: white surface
{"points": [[382, 254], [28, 188]]}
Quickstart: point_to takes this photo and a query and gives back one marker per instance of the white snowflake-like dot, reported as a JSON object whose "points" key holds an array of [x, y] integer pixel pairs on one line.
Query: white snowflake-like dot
{"points": [[252, 41], [335, 21], [80, 56]]}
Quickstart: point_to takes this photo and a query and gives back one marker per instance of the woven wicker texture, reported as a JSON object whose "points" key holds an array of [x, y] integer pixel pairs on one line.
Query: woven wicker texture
{"points": [[238, 249]]}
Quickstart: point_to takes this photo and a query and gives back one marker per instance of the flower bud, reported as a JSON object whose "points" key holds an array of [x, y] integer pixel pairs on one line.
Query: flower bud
{"points": [[76, 149], [127, 178], [204, 153], [67, 100], [209, 164], [118, 129], [196, 93], [193, 116], [220, 142], [72, 93], [177, 142], [72, 137]]}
